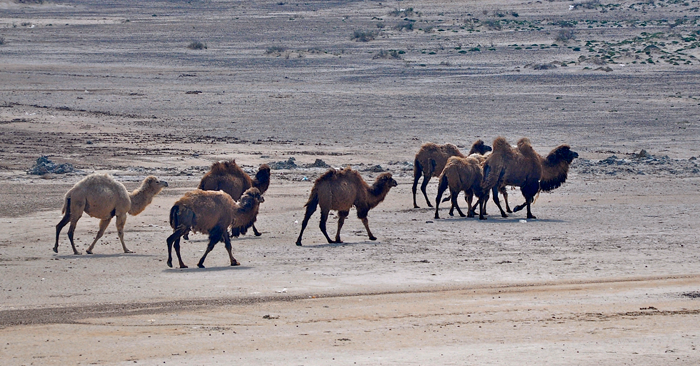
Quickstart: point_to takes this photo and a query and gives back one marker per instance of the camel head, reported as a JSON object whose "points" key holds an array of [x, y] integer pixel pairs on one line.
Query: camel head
{"points": [[562, 153], [154, 183], [385, 180], [250, 198], [480, 148]]}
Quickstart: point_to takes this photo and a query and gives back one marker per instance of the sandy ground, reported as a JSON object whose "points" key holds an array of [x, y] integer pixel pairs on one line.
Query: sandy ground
{"points": [[607, 274]]}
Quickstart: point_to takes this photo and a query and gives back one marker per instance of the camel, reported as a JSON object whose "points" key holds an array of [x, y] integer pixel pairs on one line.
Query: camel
{"points": [[525, 168], [340, 190], [431, 159], [211, 212], [555, 169], [102, 197], [227, 176], [462, 174]]}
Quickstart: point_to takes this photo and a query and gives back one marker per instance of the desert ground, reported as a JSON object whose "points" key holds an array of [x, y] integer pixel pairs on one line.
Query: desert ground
{"points": [[608, 273]]}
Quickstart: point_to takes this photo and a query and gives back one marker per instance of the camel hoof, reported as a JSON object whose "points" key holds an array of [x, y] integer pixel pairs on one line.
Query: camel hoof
{"points": [[415, 206], [87, 251], [482, 218], [199, 265], [184, 266], [298, 243], [258, 234], [55, 249], [235, 263], [170, 264], [372, 238], [531, 217], [129, 251]]}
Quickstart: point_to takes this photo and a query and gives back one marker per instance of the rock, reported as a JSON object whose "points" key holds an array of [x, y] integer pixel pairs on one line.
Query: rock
{"points": [[288, 164], [318, 164], [45, 166]]}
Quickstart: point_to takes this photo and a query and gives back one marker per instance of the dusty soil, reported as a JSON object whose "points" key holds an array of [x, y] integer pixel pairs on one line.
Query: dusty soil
{"points": [[607, 274]]}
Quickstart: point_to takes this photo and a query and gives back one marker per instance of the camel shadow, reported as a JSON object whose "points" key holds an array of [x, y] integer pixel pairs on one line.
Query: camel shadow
{"points": [[207, 269], [113, 255], [516, 220], [336, 245]]}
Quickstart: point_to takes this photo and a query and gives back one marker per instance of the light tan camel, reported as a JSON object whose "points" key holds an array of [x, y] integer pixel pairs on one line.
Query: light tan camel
{"points": [[340, 190], [102, 197], [211, 212]]}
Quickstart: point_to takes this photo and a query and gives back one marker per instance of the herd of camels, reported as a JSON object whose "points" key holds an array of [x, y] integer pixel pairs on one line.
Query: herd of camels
{"points": [[228, 198]]}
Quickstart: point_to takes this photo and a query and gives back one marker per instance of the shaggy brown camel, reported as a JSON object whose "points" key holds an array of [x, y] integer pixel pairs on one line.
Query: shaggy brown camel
{"points": [[431, 159], [227, 176], [340, 190], [102, 197], [555, 169], [211, 212], [462, 174], [521, 168]]}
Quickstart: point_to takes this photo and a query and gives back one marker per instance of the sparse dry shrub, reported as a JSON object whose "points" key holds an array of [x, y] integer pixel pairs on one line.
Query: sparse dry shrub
{"points": [[390, 54], [197, 45], [406, 24], [364, 35], [493, 24], [565, 35]]}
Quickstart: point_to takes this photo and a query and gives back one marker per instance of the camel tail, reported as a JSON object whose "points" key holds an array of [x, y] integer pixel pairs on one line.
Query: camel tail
{"points": [[66, 205], [491, 177], [417, 169], [313, 200], [442, 185], [173, 216]]}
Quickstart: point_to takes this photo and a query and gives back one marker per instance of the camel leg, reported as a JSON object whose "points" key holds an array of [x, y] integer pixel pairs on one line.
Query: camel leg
{"points": [[426, 179], [227, 244], [341, 220], [504, 192], [497, 202], [121, 221], [175, 238], [255, 231], [482, 206], [215, 235], [64, 221], [71, 231], [103, 226], [455, 204], [75, 208], [366, 223], [310, 209], [442, 186], [414, 189], [322, 224], [468, 196]]}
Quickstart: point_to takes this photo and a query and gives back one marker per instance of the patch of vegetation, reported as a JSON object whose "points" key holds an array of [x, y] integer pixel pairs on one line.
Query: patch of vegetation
{"points": [[197, 45], [402, 12], [275, 50], [565, 35], [493, 24], [405, 24], [364, 35], [390, 54]]}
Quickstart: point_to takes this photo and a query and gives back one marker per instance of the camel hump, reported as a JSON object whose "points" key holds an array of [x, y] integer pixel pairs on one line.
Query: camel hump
{"points": [[501, 144]]}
